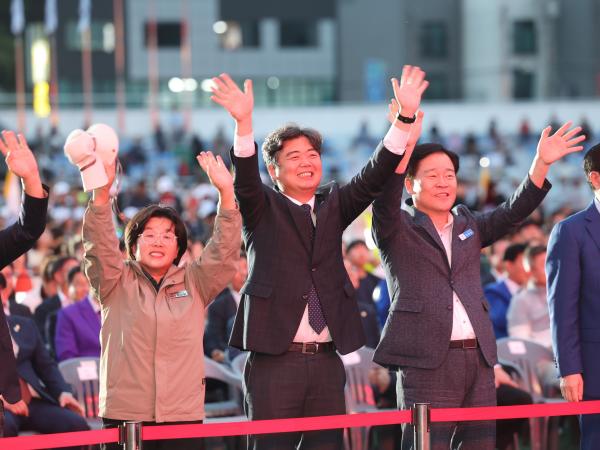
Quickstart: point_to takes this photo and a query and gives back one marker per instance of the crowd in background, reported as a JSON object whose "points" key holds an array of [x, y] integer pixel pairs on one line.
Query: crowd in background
{"points": [[47, 284]]}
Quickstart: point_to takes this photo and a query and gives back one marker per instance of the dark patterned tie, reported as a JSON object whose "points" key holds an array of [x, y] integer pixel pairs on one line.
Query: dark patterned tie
{"points": [[315, 313]]}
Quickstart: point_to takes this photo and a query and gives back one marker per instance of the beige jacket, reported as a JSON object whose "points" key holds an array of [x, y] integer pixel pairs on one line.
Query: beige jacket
{"points": [[152, 359]]}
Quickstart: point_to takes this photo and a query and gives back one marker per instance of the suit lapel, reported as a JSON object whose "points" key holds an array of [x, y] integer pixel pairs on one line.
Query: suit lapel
{"points": [[458, 245], [322, 213], [592, 218], [299, 218], [423, 221]]}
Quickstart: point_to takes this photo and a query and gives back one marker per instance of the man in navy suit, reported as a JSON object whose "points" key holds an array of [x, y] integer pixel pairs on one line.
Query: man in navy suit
{"points": [[499, 293], [78, 325], [438, 334], [49, 405], [14, 241], [573, 274]]}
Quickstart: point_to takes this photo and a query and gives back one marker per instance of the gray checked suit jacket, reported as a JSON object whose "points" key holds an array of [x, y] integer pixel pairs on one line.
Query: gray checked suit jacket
{"points": [[420, 280]]}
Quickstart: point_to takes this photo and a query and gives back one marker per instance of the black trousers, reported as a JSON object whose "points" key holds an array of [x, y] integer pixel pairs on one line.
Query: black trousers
{"points": [[165, 444], [463, 380], [295, 385]]}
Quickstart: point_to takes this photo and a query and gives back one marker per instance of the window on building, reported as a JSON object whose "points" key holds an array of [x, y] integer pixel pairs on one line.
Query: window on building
{"points": [[238, 34], [298, 33], [439, 86], [434, 40], [523, 84], [168, 34], [524, 37], [102, 36]]}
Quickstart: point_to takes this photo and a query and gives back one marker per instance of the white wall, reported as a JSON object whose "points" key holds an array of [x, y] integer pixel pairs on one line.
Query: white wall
{"points": [[343, 120]]}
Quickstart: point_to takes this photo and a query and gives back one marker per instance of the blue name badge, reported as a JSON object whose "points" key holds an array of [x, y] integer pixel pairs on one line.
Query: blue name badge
{"points": [[466, 235], [180, 294]]}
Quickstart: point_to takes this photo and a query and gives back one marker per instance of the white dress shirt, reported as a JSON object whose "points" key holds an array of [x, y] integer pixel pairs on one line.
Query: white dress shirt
{"points": [[461, 324]]}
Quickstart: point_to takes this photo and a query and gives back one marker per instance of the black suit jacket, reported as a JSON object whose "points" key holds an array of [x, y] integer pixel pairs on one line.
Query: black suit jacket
{"points": [[14, 241], [220, 312], [34, 363], [283, 264], [17, 309], [45, 312]]}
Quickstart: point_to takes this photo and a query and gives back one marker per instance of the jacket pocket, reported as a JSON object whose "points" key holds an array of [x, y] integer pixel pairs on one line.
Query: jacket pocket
{"points": [[408, 305], [256, 290]]}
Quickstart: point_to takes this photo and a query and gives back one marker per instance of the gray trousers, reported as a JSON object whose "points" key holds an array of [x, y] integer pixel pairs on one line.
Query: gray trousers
{"points": [[463, 380], [295, 385]]}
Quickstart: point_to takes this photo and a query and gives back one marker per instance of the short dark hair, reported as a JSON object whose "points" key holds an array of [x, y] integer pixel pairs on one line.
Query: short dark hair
{"points": [[422, 151], [138, 222], [591, 162], [533, 251], [513, 251], [57, 265], [274, 141], [71, 275]]}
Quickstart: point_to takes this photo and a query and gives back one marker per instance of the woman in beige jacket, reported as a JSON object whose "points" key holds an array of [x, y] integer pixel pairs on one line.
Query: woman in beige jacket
{"points": [[152, 359]]}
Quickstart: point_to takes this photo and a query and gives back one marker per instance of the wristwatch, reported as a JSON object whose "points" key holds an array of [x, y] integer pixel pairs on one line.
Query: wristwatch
{"points": [[405, 119]]}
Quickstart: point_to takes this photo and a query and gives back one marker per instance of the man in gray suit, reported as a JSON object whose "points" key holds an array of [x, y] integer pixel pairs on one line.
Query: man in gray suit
{"points": [[438, 332]]}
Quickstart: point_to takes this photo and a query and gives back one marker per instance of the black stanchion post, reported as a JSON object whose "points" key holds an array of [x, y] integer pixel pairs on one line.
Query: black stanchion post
{"points": [[420, 422], [130, 435]]}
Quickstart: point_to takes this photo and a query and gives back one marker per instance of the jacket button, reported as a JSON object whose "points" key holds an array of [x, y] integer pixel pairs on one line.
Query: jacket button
{"points": [[449, 307], [305, 296], [314, 269]]}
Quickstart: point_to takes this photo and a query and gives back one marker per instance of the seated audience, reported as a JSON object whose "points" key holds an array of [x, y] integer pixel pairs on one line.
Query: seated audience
{"points": [[78, 325], [48, 405]]}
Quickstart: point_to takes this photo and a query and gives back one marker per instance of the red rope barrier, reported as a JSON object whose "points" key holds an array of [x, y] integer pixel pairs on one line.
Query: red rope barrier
{"points": [[514, 412], [301, 424], [60, 439], [276, 425]]}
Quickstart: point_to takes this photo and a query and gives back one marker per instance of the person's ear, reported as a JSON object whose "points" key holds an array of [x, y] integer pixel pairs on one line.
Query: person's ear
{"points": [[272, 174], [408, 185]]}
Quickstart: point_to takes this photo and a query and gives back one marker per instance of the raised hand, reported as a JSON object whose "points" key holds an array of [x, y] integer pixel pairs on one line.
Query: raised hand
{"points": [[239, 104], [18, 156], [20, 160], [410, 89], [215, 169], [551, 148]]}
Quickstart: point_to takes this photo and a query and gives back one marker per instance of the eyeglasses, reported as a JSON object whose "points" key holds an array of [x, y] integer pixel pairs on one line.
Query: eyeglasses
{"points": [[166, 238]]}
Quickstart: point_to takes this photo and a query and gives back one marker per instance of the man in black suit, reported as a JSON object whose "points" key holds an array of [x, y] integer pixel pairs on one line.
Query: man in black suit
{"points": [[14, 241], [297, 306], [46, 312], [49, 405], [220, 313], [438, 333], [11, 307]]}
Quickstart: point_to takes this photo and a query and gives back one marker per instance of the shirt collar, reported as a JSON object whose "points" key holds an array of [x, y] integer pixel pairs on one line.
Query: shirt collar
{"points": [[511, 286], [597, 201], [95, 305], [311, 202], [448, 224]]}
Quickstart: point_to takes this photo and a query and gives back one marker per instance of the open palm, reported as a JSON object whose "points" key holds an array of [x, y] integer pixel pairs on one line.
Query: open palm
{"points": [[216, 170], [18, 156], [551, 148], [410, 89], [238, 103]]}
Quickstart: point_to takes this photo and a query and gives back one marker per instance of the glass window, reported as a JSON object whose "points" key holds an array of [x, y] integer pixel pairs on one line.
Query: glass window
{"points": [[168, 34], [524, 38], [434, 40], [523, 83], [439, 88], [297, 33], [238, 34], [100, 33]]}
